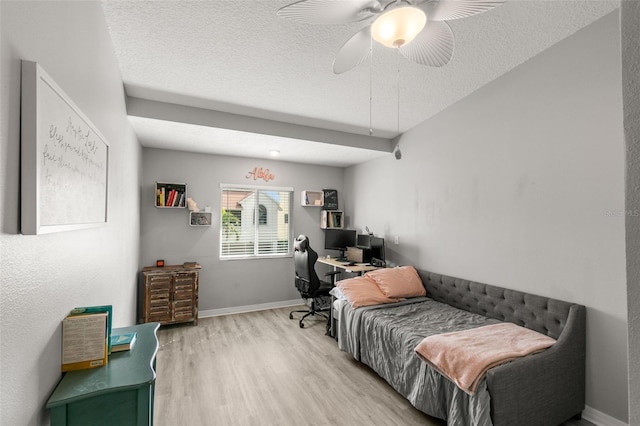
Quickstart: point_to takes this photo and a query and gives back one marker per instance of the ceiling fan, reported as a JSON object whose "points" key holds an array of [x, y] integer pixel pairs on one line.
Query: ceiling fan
{"points": [[417, 28]]}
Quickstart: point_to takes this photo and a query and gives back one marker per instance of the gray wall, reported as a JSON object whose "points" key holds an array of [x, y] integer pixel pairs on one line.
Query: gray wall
{"points": [[630, 16], [166, 234], [43, 277], [521, 184]]}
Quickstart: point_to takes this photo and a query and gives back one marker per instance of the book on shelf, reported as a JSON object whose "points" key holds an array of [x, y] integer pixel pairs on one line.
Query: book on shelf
{"points": [[334, 219], [84, 341], [161, 196], [123, 342]]}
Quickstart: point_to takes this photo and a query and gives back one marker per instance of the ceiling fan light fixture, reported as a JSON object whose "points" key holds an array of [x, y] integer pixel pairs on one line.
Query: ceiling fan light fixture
{"points": [[398, 26]]}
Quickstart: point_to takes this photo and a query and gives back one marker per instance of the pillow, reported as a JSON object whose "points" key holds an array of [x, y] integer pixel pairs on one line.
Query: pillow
{"points": [[362, 291], [337, 293], [398, 282]]}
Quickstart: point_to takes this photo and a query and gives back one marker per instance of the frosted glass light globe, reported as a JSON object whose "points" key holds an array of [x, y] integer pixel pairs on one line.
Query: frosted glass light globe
{"points": [[398, 26]]}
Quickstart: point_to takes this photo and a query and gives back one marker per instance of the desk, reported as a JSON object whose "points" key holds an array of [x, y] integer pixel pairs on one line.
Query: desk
{"points": [[120, 393], [358, 268]]}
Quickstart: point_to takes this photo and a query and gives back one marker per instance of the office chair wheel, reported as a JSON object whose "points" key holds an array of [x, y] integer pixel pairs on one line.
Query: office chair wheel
{"points": [[291, 315], [301, 324]]}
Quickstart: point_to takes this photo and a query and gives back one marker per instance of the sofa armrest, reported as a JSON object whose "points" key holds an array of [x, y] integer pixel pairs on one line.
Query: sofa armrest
{"points": [[547, 388]]}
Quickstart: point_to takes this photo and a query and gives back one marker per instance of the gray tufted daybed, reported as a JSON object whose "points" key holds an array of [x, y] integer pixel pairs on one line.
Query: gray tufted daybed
{"points": [[546, 388]]}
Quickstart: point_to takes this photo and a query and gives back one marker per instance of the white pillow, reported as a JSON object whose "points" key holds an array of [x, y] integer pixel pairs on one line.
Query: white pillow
{"points": [[337, 293]]}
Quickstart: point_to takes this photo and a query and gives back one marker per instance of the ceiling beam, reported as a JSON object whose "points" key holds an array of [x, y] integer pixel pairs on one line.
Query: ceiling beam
{"points": [[139, 107]]}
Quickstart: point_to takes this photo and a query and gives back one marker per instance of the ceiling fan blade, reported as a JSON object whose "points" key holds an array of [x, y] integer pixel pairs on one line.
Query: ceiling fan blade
{"points": [[330, 11], [354, 51], [447, 10], [433, 46]]}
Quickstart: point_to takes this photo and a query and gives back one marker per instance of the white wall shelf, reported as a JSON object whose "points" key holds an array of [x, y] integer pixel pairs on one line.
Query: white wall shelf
{"points": [[332, 219], [171, 195], [312, 198], [200, 218]]}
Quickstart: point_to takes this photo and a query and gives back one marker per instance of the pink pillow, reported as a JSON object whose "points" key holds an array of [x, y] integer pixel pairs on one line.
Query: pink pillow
{"points": [[398, 282], [362, 291]]}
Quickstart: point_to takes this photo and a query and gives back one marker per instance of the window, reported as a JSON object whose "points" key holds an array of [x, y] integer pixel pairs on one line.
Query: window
{"points": [[241, 236], [262, 218]]}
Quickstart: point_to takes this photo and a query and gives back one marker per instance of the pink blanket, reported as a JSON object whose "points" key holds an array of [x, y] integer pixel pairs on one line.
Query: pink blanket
{"points": [[465, 356]]}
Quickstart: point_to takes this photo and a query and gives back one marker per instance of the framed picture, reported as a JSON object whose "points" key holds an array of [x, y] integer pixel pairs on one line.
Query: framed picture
{"points": [[64, 160], [330, 199]]}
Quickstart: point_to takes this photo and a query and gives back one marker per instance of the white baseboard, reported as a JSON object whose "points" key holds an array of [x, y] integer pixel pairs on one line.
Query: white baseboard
{"points": [[599, 418], [249, 308]]}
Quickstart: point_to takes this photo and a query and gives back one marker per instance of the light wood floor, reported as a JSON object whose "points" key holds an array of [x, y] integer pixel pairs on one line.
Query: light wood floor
{"points": [[260, 368]]}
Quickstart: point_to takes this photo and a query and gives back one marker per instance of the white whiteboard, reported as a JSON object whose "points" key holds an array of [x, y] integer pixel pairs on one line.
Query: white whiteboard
{"points": [[64, 160]]}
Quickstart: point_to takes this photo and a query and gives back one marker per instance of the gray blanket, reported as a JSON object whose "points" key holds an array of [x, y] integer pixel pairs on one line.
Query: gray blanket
{"points": [[384, 337]]}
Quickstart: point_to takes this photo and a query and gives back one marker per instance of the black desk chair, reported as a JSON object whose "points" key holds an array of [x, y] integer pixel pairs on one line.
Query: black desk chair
{"points": [[311, 288]]}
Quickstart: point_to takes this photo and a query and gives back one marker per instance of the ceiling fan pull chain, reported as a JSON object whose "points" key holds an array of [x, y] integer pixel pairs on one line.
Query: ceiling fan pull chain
{"points": [[370, 86], [398, 86]]}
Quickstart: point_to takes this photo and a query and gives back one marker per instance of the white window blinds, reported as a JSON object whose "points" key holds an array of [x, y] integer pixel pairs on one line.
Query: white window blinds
{"points": [[255, 222]]}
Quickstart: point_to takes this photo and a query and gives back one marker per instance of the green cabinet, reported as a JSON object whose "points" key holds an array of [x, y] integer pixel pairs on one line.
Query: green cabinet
{"points": [[120, 393]]}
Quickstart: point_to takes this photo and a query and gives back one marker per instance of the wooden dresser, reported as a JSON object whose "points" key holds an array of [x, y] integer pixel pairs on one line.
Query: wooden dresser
{"points": [[120, 393], [169, 294]]}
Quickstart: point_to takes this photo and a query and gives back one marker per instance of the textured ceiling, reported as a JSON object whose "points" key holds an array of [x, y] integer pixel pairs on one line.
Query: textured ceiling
{"points": [[237, 56]]}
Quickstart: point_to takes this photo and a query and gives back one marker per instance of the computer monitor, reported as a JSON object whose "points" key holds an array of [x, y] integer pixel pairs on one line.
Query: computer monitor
{"points": [[377, 248], [339, 239], [363, 241]]}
